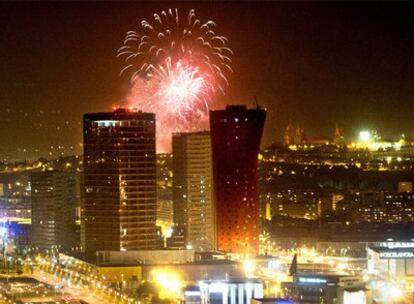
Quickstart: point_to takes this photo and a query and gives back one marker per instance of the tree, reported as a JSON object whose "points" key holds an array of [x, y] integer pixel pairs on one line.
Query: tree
{"points": [[146, 290]]}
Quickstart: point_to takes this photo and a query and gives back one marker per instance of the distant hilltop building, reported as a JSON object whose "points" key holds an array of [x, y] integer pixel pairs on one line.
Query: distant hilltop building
{"points": [[318, 141], [294, 136], [339, 135]]}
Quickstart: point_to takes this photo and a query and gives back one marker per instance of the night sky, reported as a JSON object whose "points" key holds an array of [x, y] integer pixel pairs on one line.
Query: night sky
{"points": [[313, 63]]}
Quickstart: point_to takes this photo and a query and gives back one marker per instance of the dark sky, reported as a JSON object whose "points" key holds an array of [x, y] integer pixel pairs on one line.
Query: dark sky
{"points": [[313, 63]]}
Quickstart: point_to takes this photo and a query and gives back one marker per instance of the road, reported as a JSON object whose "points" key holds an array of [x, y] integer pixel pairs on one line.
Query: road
{"points": [[80, 291], [74, 284]]}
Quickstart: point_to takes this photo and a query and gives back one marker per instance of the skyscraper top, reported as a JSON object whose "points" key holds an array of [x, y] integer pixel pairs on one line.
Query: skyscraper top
{"points": [[119, 113], [237, 108], [191, 133]]}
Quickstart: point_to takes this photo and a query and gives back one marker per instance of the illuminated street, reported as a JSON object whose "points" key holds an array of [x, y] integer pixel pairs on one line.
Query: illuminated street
{"points": [[80, 285]]}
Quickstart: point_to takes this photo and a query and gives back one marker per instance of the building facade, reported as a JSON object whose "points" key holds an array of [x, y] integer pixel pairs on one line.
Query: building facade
{"points": [[235, 136], [54, 204], [164, 189], [192, 188], [332, 288], [224, 291], [119, 182]]}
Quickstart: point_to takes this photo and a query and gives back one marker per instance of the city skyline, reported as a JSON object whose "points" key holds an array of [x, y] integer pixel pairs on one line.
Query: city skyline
{"points": [[314, 63], [206, 152]]}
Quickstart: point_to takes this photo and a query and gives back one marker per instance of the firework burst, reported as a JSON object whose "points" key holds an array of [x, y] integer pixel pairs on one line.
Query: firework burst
{"points": [[176, 66]]}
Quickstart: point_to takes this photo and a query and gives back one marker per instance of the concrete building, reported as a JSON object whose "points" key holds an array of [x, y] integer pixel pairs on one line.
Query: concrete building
{"points": [[405, 187], [391, 207], [307, 210], [192, 189], [54, 204], [224, 291], [119, 182], [329, 288], [392, 259], [159, 257]]}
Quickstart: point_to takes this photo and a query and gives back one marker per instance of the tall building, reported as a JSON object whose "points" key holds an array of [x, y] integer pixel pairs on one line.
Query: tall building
{"points": [[54, 204], [235, 136], [192, 189], [119, 182]]}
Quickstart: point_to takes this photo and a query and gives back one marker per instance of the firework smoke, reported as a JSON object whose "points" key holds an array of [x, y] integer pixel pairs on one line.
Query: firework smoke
{"points": [[176, 66]]}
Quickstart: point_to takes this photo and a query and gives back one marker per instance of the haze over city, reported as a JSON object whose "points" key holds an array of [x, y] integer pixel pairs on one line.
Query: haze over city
{"points": [[314, 63]]}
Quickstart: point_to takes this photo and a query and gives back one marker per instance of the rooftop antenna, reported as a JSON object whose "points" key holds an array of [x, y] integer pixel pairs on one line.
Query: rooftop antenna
{"points": [[256, 101]]}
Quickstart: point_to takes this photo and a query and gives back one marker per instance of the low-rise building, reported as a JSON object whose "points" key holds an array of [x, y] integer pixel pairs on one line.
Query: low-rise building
{"points": [[126, 276], [392, 259], [145, 257], [270, 301], [191, 273], [235, 291], [327, 288]]}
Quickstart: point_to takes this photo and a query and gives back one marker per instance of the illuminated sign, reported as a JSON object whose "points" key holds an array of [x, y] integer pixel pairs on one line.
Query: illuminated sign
{"points": [[393, 245], [312, 280], [396, 255]]}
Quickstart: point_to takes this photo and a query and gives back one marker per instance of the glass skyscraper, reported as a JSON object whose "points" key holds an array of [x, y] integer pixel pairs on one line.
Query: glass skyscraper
{"points": [[119, 182], [192, 189]]}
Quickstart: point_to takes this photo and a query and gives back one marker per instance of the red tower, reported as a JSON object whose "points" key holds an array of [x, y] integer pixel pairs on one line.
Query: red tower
{"points": [[235, 136]]}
